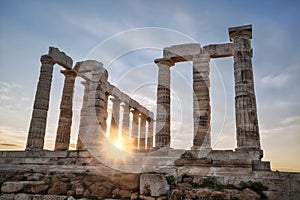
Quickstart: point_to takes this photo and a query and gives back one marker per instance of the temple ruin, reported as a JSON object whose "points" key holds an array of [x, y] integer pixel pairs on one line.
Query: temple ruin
{"points": [[146, 167], [98, 89]]}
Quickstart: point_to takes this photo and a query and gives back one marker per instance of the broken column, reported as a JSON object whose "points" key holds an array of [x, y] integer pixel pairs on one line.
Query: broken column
{"points": [[247, 131], [163, 137], [66, 112], [201, 101], [38, 122], [83, 114], [115, 116]]}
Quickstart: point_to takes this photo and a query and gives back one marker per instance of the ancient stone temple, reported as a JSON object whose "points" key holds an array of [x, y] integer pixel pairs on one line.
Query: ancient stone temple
{"points": [[127, 154]]}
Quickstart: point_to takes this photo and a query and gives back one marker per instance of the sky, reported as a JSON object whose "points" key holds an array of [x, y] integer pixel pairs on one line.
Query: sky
{"points": [[127, 36]]}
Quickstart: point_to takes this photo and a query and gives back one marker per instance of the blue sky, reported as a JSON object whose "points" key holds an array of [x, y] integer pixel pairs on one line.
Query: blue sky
{"points": [[99, 29]]}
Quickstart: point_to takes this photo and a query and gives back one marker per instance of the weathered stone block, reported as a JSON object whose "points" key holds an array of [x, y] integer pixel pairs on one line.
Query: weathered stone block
{"points": [[60, 58], [182, 52], [22, 197], [219, 50], [154, 184], [11, 187]]}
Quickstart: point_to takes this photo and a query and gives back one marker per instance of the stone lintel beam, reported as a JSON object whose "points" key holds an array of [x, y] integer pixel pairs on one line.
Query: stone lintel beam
{"points": [[60, 58], [114, 91], [219, 50], [181, 52], [238, 31]]}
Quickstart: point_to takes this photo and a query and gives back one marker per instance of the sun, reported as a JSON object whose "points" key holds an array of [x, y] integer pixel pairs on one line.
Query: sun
{"points": [[118, 144]]}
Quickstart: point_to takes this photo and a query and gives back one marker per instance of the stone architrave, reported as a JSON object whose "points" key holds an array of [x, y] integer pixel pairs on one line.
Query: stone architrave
{"points": [[150, 133], [66, 112], [201, 101], [163, 114], [83, 114], [142, 143], [135, 129], [38, 122], [247, 131], [114, 125]]}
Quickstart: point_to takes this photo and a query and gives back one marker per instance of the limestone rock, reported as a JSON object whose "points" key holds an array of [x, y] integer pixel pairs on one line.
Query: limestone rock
{"points": [[59, 188], [7, 196], [247, 194], [203, 193], [128, 181], [121, 193], [219, 195], [10, 187], [184, 186], [154, 184], [100, 189], [175, 195], [22, 196], [35, 186], [134, 195]]}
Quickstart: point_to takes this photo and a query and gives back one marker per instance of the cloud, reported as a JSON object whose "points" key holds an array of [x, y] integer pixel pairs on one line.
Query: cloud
{"points": [[279, 80]]}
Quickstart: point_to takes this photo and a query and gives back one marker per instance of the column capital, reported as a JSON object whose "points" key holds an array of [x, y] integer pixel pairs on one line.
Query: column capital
{"points": [[134, 111], [115, 100], [240, 32], [45, 59], [164, 61], [125, 105], [143, 116]]}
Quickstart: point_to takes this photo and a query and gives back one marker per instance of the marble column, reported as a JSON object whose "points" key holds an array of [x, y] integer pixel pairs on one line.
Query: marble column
{"points": [[114, 125], [150, 133], [163, 133], [247, 131], [135, 129], [201, 101], [125, 138], [37, 129], [125, 120], [83, 113], [142, 143], [63, 133]]}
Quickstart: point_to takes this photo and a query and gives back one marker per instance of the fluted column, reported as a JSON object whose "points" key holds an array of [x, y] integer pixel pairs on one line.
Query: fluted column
{"points": [[201, 101], [83, 114], [125, 120], [126, 143], [63, 133], [150, 133], [163, 133], [142, 143], [114, 125], [37, 129], [134, 129], [247, 131]]}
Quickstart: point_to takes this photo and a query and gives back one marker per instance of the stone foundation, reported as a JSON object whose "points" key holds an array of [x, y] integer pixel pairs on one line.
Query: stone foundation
{"points": [[77, 175]]}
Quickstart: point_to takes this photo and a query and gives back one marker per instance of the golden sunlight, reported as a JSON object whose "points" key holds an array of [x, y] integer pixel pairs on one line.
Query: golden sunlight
{"points": [[118, 144]]}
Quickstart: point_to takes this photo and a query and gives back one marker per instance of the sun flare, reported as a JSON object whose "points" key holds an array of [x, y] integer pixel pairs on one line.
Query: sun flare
{"points": [[118, 144]]}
